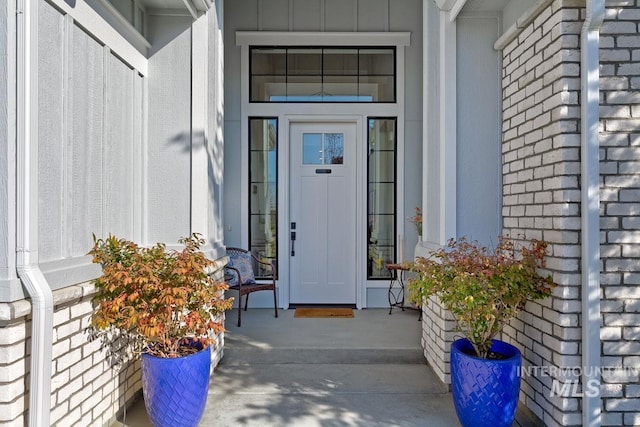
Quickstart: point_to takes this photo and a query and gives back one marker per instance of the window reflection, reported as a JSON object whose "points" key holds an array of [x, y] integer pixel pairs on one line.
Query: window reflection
{"points": [[322, 148], [381, 196], [263, 202], [312, 149], [293, 74]]}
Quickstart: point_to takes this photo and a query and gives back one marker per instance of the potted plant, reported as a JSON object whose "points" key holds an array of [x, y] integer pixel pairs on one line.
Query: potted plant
{"points": [[416, 220], [166, 305], [484, 289]]}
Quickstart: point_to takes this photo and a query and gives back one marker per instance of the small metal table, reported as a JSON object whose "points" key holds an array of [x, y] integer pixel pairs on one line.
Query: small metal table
{"points": [[396, 289]]}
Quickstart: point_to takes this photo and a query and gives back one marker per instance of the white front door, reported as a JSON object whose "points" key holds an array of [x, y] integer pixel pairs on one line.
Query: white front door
{"points": [[323, 213]]}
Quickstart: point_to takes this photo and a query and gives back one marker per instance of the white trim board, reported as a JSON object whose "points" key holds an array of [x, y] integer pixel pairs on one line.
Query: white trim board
{"points": [[286, 113], [95, 25], [299, 38]]}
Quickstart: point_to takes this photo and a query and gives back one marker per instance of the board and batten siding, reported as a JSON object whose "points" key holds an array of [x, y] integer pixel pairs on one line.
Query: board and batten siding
{"points": [[116, 155], [90, 124]]}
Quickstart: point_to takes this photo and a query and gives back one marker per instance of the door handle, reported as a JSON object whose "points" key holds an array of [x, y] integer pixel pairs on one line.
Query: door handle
{"points": [[293, 242]]}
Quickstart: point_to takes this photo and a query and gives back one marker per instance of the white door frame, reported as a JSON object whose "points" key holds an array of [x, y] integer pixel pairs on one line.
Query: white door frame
{"points": [[330, 112], [284, 214], [341, 284]]}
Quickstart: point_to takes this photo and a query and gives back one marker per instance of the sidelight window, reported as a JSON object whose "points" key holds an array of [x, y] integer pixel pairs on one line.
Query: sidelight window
{"points": [[381, 196], [263, 198]]}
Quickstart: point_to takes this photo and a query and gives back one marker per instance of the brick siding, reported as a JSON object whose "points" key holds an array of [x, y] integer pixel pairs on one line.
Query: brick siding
{"points": [[438, 326], [541, 196], [541, 178], [620, 210]]}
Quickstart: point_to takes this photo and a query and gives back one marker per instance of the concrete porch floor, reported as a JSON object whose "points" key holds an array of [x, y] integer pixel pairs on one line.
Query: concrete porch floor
{"points": [[363, 371]]}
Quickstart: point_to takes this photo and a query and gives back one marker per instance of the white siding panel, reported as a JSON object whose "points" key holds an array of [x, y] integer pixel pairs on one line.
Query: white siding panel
{"points": [[7, 201], [232, 201], [412, 179], [430, 145], [86, 141], [169, 141], [140, 124], [118, 150], [479, 195], [373, 15], [307, 15], [340, 15], [215, 140], [51, 144], [407, 16], [274, 15], [232, 76]]}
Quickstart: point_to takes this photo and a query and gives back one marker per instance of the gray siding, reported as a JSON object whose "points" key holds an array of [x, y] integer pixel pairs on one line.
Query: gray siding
{"points": [[215, 123], [7, 152], [322, 15], [89, 138], [168, 151], [86, 140], [97, 174], [118, 145], [479, 195], [340, 15], [51, 127]]}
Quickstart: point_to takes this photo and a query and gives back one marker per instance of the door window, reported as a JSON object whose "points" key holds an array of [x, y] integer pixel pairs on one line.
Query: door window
{"points": [[322, 148]]}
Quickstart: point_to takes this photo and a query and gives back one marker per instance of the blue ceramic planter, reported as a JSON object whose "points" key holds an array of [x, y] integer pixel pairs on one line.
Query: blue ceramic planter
{"points": [[485, 391], [175, 390]]}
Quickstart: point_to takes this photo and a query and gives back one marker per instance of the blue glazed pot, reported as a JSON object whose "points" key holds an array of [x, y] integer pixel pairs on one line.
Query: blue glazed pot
{"points": [[485, 391], [175, 390]]}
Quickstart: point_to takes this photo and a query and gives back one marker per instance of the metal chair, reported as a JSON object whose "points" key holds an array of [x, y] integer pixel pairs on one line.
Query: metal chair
{"points": [[240, 276]]}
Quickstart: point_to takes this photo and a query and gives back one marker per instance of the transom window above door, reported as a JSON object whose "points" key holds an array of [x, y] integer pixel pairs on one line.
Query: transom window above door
{"points": [[335, 74]]}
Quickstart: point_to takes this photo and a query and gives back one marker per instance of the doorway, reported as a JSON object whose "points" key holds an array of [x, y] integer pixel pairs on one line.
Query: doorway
{"points": [[322, 215]]}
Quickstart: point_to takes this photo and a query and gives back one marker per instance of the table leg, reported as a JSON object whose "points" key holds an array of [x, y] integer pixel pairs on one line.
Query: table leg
{"points": [[396, 291]]}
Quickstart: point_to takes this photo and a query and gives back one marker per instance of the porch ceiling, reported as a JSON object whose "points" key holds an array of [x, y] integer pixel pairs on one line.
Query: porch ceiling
{"points": [[485, 5], [202, 5]]}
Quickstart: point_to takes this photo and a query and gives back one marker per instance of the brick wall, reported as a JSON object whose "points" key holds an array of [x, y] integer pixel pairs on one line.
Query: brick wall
{"points": [[620, 211], [541, 195], [86, 389], [541, 199], [438, 332]]}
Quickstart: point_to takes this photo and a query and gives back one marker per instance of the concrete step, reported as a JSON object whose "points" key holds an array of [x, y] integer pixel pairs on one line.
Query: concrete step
{"points": [[328, 395], [325, 379], [243, 355]]}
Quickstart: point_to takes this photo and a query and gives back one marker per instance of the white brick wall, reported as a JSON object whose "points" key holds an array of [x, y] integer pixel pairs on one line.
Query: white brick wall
{"points": [[541, 197], [438, 325], [620, 209], [541, 69], [85, 389]]}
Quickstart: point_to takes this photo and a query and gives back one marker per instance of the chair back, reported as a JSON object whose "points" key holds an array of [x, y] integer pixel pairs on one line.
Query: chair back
{"points": [[242, 261]]}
